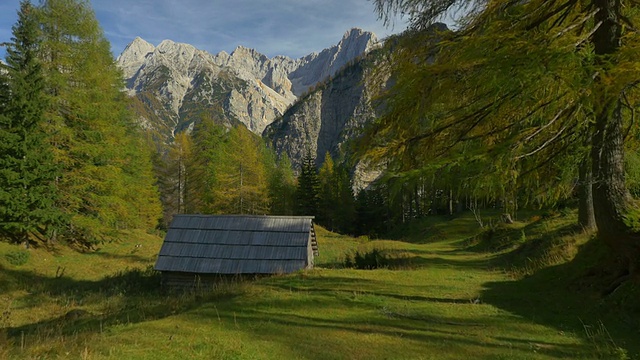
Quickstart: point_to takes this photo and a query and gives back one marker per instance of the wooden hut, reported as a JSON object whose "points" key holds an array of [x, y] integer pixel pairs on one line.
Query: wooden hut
{"points": [[200, 249]]}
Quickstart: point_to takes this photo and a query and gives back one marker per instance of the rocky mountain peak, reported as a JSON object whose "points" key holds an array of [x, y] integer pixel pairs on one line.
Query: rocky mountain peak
{"points": [[357, 34], [133, 56], [317, 67], [358, 41], [136, 50], [178, 84], [242, 52], [176, 55]]}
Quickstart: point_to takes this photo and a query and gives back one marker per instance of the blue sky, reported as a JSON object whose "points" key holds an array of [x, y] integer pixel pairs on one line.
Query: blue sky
{"points": [[273, 27]]}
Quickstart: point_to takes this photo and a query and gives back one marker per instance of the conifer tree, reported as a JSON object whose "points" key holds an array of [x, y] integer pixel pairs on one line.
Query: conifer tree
{"points": [[177, 175], [328, 202], [307, 200], [185, 170], [27, 169], [240, 175], [345, 211], [336, 202], [282, 187], [91, 129], [208, 138], [371, 216]]}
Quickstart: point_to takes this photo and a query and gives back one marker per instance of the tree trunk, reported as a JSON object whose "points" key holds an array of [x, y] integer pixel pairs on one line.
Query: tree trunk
{"points": [[612, 203], [586, 217], [450, 202], [613, 206], [416, 195]]}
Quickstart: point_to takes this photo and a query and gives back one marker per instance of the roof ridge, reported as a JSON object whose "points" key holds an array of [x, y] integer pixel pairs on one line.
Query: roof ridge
{"points": [[186, 227], [248, 216]]}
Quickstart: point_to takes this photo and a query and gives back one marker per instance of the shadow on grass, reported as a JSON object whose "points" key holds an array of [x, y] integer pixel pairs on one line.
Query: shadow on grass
{"points": [[341, 313], [505, 237], [335, 319], [132, 281], [353, 289], [133, 257], [432, 262], [318, 330], [330, 265], [570, 297], [436, 228], [411, 259], [127, 297]]}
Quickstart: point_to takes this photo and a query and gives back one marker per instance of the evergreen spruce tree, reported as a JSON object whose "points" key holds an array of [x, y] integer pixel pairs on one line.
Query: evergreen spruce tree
{"points": [[27, 168], [328, 202], [307, 200], [371, 217], [345, 210], [336, 202]]}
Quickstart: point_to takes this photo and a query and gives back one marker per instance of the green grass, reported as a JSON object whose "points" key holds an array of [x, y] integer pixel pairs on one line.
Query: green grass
{"points": [[457, 295]]}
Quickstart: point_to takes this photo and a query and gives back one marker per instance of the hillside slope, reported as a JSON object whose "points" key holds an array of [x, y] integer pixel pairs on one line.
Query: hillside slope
{"points": [[439, 297]]}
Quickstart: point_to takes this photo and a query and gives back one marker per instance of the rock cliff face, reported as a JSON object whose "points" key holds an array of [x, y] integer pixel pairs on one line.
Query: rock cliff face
{"points": [[176, 84], [327, 119], [317, 67], [332, 115]]}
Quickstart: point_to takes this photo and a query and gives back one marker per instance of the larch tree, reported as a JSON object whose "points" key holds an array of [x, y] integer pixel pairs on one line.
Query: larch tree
{"points": [[207, 138], [240, 175], [106, 185], [27, 169], [282, 186], [175, 176], [534, 82]]}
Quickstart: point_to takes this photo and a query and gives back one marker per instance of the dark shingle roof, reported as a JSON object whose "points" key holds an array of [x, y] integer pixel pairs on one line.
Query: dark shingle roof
{"points": [[236, 244]]}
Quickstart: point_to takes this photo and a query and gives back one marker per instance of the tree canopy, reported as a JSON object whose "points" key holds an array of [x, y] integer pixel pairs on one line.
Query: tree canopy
{"points": [[520, 94], [74, 163], [107, 181]]}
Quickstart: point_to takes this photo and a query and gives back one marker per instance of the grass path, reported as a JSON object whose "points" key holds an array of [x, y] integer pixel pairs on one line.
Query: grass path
{"points": [[445, 302]]}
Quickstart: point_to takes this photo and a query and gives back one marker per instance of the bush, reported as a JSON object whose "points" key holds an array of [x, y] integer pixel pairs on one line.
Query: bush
{"points": [[17, 257], [373, 259]]}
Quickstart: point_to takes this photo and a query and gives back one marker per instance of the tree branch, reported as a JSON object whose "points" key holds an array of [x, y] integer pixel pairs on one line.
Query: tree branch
{"points": [[595, 28], [555, 118], [544, 145], [582, 21], [547, 160], [550, 14]]}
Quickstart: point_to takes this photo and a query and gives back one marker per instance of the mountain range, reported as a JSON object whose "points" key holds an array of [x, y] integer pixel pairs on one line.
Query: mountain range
{"points": [[175, 84]]}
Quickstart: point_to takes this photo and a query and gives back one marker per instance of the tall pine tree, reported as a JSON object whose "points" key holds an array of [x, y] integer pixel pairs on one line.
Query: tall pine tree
{"points": [[307, 191], [27, 169], [336, 209]]}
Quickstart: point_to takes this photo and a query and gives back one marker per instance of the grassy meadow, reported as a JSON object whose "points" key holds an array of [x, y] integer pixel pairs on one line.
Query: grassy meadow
{"points": [[447, 290]]}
